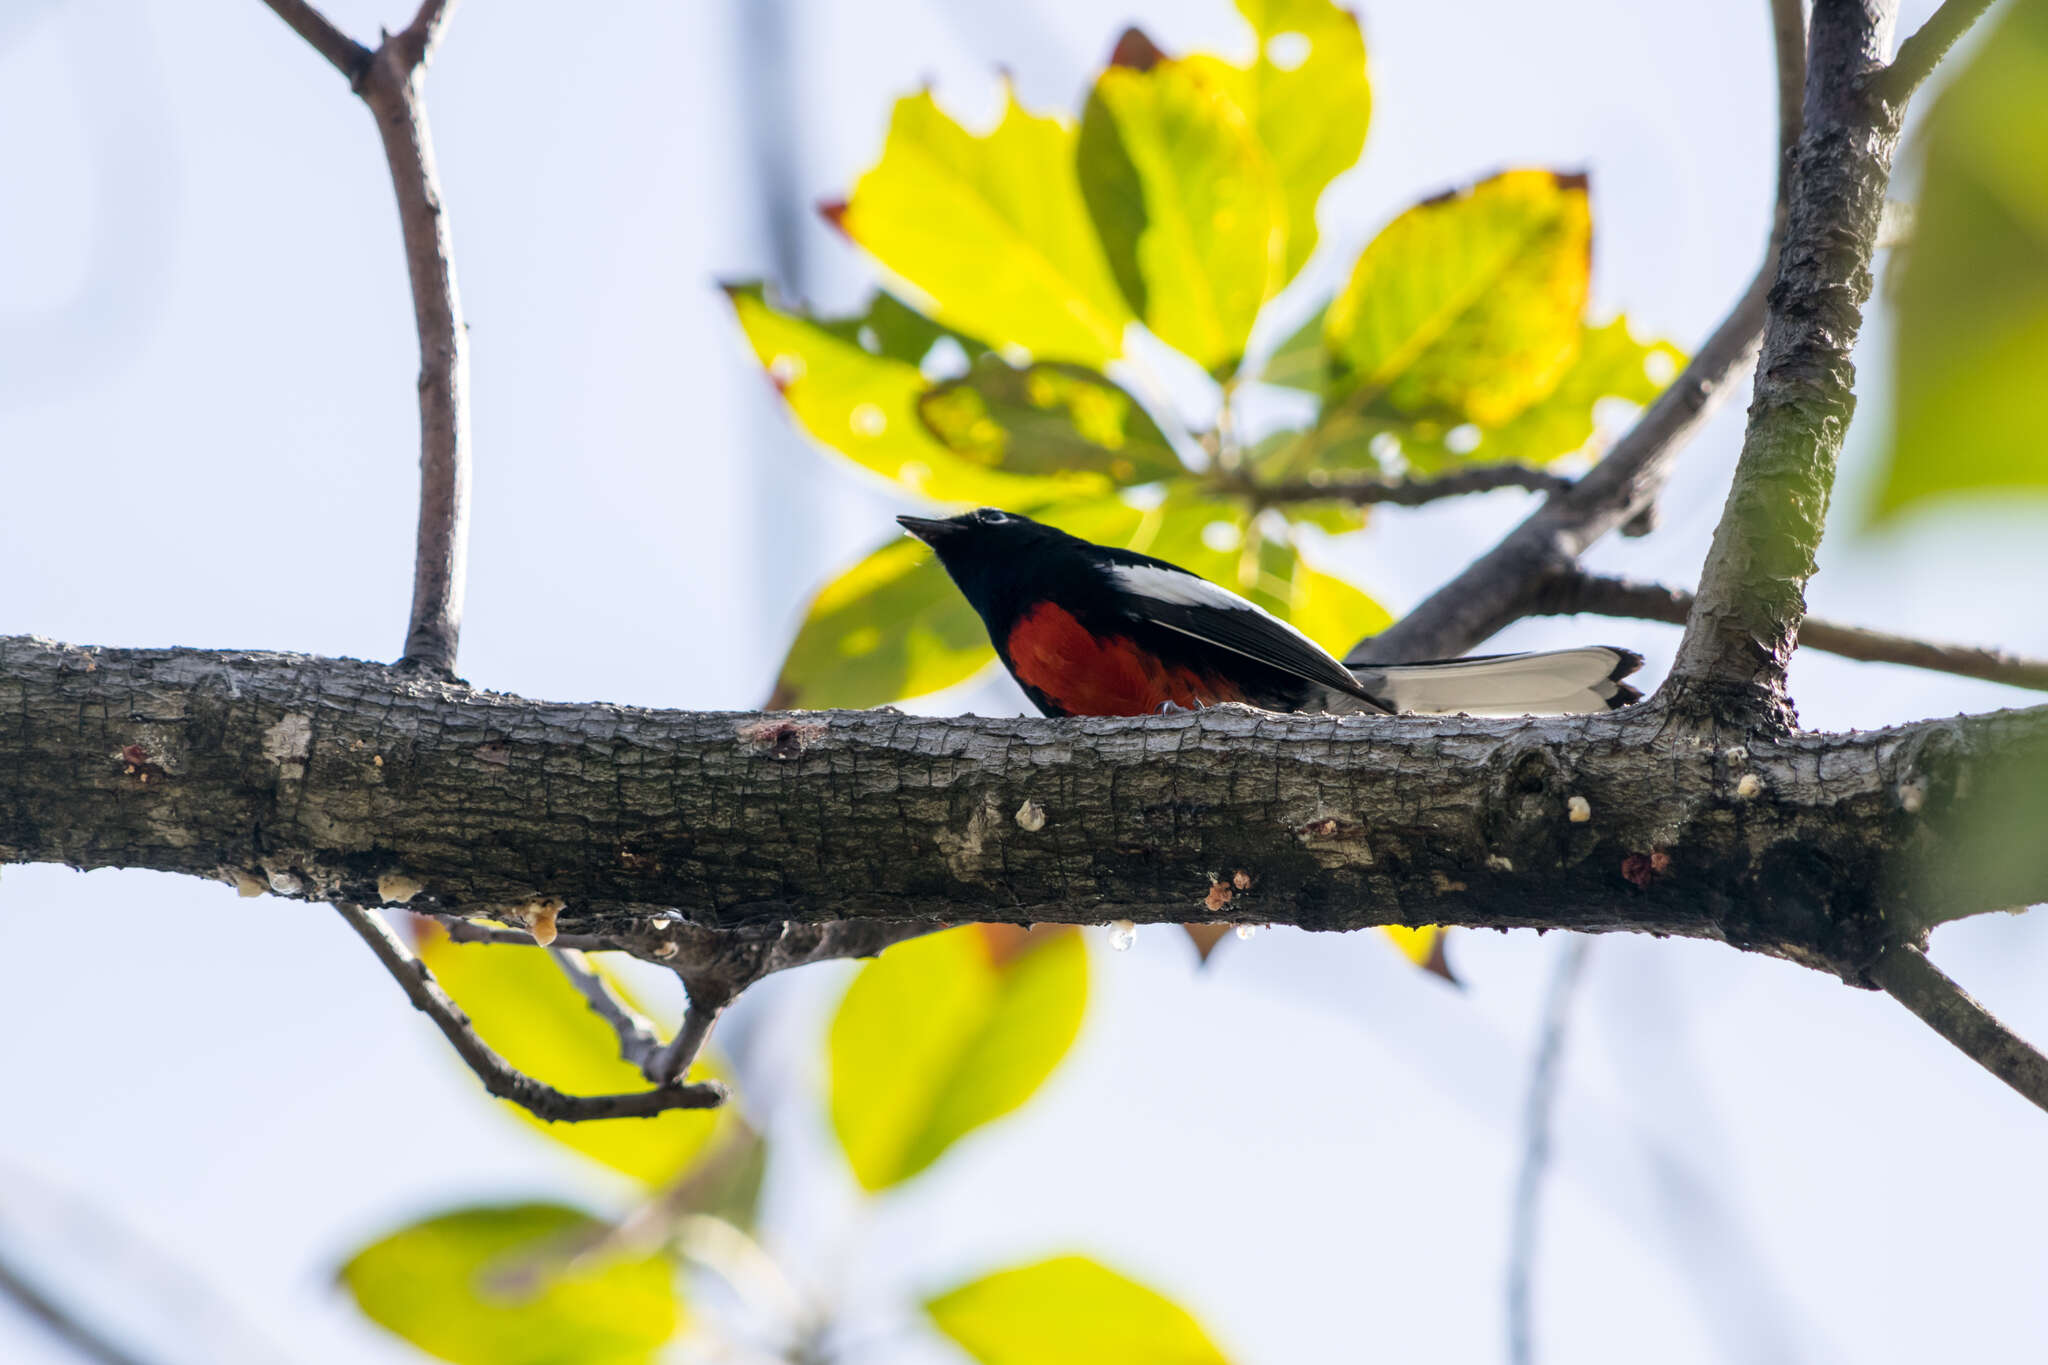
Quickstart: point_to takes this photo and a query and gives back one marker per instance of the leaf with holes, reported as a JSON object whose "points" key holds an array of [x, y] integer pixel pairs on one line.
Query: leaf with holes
{"points": [[944, 1034], [484, 1286], [1972, 348], [1467, 307], [1187, 205], [1070, 1311], [1307, 98], [863, 404], [992, 230], [1046, 418]]}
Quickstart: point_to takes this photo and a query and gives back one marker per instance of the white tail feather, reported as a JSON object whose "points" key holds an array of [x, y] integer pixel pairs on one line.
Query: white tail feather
{"points": [[1560, 682]]}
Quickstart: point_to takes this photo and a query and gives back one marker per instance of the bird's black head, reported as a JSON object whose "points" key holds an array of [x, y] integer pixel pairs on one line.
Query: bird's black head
{"points": [[1004, 561]]}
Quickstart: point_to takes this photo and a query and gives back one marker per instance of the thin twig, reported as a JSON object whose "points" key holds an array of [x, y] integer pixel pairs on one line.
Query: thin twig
{"points": [[1907, 976], [499, 1076], [1921, 53], [639, 1044], [347, 56], [1544, 1076], [389, 82], [60, 1321], [1494, 590], [1414, 492], [707, 1001], [1570, 593]]}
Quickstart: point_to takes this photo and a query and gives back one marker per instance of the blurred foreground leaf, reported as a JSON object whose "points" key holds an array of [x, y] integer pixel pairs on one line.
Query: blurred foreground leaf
{"points": [[463, 1286], [992, 229], [943, 1034], [1972, 350], [1070, 1311], [1425, 948], [528, 1012]]}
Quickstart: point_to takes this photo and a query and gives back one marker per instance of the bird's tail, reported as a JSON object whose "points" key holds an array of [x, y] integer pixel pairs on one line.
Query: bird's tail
{"points": [[1556, 682]]}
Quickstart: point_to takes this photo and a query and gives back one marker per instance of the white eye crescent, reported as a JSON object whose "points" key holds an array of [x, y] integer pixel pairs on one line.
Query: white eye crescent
{"points": [[989, 516]]}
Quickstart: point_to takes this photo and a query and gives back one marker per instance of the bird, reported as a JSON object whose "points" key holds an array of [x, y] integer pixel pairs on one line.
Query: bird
{"points": [[1091, 630]]}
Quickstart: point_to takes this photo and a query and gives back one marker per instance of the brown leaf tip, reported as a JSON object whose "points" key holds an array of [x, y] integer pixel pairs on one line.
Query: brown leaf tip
{"points": [[1581, 181], [1135, 51], [833, 211]]}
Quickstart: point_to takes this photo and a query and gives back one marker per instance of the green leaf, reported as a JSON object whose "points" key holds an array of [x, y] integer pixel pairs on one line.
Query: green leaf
{"points": [[943, 1034], [1046, 418], [889, 327], [1611, 364], [1467, 307], [892, 626], [1972, 349], [458, 1286], [1187, 205], [991, 229], [531, 1016], [1311, 113], [864, 405], [1301, 362], [1070, 1311]]}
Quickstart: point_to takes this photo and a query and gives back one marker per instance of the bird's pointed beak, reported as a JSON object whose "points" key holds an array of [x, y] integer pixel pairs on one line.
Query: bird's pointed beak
{"points": [[930, 530]]}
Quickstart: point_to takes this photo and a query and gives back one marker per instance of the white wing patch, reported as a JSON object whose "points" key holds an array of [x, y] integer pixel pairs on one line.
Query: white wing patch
{"points": [[1188, 590]]}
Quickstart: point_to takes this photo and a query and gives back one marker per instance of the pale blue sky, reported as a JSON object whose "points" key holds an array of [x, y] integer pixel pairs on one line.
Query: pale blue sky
{"points": [[206, 421]]}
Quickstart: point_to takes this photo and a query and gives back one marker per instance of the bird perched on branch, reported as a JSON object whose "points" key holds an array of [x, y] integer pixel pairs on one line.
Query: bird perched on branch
{"points": [[1087, 630]]}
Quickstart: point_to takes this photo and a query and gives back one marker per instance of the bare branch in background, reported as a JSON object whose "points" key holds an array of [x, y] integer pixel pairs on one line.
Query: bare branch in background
{"points": [[499, 1076], [1745, 619], [1545, 1074], [1905, 974], [389, 81], [1404, 492], [1494, 590], [1920, 54], [1575, 592], [707, 1002], [60, 1321]]}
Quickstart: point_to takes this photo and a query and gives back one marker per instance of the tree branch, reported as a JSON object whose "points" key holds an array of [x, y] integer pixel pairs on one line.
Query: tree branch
{"points": [[60, 1321], [344, 53], [1745, 621], [1545, 1074], [1905, 974], [1571, 593], [639, 1044], [1921, 53], [795, 837], [389, 82], [1403, 492], [499, 1076], [1493, 592]]}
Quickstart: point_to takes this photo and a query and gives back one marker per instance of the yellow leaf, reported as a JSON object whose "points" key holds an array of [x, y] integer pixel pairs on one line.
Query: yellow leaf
{"points": [[992, 230], [942, 1035], [1070, 1311]]}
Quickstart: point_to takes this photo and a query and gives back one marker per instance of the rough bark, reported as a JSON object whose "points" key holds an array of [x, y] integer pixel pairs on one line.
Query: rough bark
{"points": [[329, 779], [1746, 613]]}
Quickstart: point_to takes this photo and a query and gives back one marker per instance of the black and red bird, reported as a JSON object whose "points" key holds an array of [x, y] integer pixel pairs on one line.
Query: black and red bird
{"points": [[1087, 630]]}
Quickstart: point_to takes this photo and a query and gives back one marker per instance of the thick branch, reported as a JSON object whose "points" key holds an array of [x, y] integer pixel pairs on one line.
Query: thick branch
{"points": [[1571, 593], [323, 778], [1408, 492], [389, 81], [1494, 591], [499, 1076], [1745, 622], [1921, 53], [1907, 976]]}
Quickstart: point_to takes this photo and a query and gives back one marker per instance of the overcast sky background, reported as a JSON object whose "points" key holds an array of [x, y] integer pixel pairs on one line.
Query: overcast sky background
{"points": [[208, 435]]}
